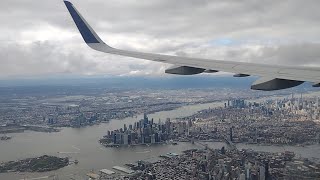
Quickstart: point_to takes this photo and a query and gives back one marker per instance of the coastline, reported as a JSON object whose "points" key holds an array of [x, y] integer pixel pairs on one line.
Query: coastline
{"points": [[93, 155], [13, 128]]}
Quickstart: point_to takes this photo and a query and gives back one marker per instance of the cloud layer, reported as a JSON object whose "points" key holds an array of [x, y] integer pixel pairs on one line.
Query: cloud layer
{"points": [[39, 38]]}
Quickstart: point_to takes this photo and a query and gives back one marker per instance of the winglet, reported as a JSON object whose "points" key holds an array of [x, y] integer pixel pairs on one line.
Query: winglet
{"points": [[86, 31]]}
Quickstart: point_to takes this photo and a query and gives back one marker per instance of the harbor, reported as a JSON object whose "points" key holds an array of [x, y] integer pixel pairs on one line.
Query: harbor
{"points": [[93, 156], [123, 169]]}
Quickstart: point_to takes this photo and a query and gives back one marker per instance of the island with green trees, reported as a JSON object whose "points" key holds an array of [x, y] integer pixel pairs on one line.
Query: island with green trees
{"points": [[37, 164]]}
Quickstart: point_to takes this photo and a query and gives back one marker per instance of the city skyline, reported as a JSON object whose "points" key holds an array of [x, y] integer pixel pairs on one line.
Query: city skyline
{"points": [[103, 128], [223, 90]]}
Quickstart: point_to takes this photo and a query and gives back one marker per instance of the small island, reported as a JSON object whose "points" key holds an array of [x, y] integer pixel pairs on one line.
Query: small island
{"points": [[38, 164]]}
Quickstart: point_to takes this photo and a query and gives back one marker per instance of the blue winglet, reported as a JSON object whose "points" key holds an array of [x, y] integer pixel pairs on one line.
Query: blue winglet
{"points": [[86, 31]]}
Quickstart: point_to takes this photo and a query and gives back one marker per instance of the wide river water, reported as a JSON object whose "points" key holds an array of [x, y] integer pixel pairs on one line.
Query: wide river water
{"points": [[82, 144]]}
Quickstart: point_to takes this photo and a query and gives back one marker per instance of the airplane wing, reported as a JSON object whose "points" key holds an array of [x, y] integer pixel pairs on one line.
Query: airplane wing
{"points": [[273, 77]]}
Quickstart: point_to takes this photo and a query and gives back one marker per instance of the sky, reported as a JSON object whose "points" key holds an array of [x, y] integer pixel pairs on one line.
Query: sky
{"points": [[39, 38]]}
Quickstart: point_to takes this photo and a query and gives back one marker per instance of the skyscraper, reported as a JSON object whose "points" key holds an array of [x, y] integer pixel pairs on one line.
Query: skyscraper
{"points": [[125, 139], [230, 134], [145, 119], [262, 173], [153, 139], [118, 138], [242, 176], [142, 139], [114, 138], [266, 170], [168, 125], [133, 138]]}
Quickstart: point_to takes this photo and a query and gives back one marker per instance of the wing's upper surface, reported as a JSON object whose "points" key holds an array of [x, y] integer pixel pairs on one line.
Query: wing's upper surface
{"points": [[273, 76]]}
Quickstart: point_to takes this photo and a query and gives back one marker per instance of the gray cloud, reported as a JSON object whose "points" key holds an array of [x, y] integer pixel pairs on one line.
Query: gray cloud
{"points": [[39, 37], [300, 54]]}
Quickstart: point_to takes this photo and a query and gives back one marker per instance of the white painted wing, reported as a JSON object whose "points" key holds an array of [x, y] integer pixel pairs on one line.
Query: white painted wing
{"points": [[275, 71], [271, 71]]}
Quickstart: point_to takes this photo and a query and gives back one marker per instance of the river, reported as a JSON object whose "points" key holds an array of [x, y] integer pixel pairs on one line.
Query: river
{"points": [[82, 144]]}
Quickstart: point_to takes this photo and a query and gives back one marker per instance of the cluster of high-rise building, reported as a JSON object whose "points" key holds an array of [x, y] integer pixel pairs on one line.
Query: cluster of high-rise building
{"points": [[220, 164], [235, 103], [145, 131], [285, 121], [268, 122], [64, 107]]}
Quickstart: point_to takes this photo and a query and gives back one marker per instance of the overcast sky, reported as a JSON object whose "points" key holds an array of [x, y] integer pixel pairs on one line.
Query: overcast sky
{"points": [[39, 38]]}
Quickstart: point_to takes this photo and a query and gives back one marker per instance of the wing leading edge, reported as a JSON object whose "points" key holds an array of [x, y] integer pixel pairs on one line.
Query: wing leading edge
{"points": [[273, 77]]}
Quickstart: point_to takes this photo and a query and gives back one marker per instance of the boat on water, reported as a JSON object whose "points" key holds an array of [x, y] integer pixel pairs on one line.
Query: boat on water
{"points": [[173, 142], [5, 137]]}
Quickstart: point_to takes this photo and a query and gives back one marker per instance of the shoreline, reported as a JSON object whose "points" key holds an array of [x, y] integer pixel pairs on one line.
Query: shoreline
{"points": [[179, 105], [22, 128], [43, 163], [103, 152]]}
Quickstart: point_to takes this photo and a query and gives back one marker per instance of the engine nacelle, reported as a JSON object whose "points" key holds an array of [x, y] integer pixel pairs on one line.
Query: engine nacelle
{"points": [[184, 70]]}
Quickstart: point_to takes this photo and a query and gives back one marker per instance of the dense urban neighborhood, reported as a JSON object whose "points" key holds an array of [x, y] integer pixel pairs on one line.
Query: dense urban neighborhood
{"points": [[231, 118]]}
